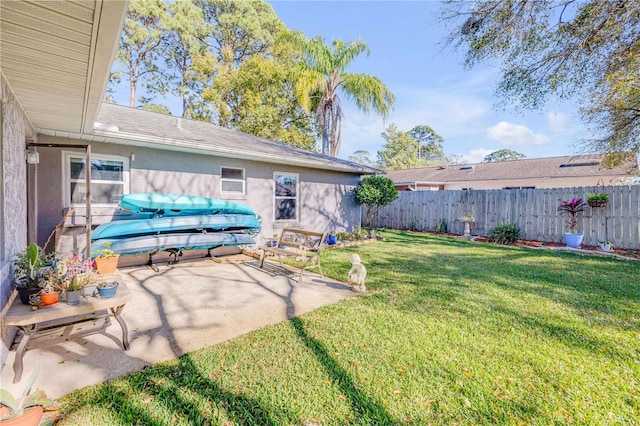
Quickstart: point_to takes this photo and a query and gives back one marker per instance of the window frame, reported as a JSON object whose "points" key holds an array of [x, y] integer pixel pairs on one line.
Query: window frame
{"points": [[243, 180], [296, 198], [66, 176]]}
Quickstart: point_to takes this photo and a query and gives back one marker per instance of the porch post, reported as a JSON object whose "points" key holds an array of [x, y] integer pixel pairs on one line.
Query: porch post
{"points": [[87, 194]]}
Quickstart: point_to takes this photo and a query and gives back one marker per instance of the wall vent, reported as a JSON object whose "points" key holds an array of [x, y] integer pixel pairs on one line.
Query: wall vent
{"points": [[592, 163]]}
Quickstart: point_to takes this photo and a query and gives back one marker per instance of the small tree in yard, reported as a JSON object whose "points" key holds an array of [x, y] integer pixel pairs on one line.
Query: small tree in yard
{"points": [[375, 192]]}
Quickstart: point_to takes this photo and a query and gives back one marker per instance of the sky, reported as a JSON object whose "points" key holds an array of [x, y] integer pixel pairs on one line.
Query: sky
{"points": [[430, 83]]}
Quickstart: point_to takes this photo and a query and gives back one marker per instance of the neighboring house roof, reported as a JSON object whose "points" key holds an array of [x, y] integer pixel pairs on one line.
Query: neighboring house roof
{"points": [[56, 56], [536, 168], [123, 125]]}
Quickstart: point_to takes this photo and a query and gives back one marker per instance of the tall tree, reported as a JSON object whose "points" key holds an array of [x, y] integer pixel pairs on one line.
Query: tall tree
{"points": [[258, 97], [139, 44], [185, 28], [431, 143], [587, 49], [239, 29], [503, 155], [322, 77], [401, 150]]}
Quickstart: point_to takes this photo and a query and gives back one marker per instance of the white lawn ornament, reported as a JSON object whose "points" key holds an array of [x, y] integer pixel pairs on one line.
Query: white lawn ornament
{"points": [[357, 274]]}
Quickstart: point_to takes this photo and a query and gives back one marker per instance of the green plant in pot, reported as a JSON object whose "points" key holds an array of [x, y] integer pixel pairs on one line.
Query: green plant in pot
{"points": [[28, 407], [106, 260], [32, 268], [107, 289], [76, 274], [572, 208], [597, 199]]}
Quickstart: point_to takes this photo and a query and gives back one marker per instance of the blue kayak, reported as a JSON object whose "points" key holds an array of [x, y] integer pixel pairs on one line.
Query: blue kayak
{"points": [[185, 241], [218, 222], [179, 204]]}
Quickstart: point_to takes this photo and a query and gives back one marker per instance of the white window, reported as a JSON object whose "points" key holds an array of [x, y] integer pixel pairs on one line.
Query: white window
{"points": [[285, 196], [109, 179], [232, 181]]}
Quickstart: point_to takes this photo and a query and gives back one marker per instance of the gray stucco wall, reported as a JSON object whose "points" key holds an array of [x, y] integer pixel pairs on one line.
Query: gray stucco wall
{"points": [[326, 200], [13, 192]]}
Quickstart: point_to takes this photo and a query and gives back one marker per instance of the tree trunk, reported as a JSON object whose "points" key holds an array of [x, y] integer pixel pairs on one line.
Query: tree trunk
{"points": [[325, 134], [132, 92]]}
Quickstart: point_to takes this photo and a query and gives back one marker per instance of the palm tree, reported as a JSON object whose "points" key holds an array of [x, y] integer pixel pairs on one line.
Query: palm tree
{"points": [[321, 77]]}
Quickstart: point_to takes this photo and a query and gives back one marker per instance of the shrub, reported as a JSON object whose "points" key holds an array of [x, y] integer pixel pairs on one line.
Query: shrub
{"points": [[442, 227], [504, 233], [375, 191]]}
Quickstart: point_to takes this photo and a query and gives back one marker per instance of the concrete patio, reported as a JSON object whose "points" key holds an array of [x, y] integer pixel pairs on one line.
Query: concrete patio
{"points": [[181, 308]]}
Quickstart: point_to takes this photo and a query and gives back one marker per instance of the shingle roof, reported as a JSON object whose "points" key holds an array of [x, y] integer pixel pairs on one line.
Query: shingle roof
{"points": [[120, 124], [535, 168]]}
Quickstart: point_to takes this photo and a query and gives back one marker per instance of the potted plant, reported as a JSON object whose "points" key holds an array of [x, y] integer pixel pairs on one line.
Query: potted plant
{"points": [[332, 238], [273, 241], [28, 409], [31, 269], [50, 291], [106, 262], [76, 274], [597, 199], [572, 208], [107, 289]]}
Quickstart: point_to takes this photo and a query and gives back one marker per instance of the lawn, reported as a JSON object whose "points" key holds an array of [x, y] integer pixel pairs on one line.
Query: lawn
{"points": [[451, 332]]}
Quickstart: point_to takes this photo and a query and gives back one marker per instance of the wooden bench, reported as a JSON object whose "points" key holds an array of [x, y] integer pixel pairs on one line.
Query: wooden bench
{"points": [[299, 244]]}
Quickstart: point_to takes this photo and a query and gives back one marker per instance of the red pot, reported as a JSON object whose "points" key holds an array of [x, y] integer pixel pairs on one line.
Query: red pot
{"points": [[30, 417], [49, 298]]}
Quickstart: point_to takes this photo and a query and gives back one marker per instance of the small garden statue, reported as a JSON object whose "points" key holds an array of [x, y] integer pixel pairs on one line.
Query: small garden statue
{"points": [[357, 274]]}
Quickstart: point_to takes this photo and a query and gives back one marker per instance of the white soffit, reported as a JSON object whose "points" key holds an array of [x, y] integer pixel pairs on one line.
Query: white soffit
{"points": [[56, 56]]}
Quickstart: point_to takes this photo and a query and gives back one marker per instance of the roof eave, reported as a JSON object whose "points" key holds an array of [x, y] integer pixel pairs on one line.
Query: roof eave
{"points": [[107, 28], [146, 141]]}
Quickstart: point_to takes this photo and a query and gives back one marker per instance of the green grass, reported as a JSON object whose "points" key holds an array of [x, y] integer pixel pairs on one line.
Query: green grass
{"points": [[451, 332]]}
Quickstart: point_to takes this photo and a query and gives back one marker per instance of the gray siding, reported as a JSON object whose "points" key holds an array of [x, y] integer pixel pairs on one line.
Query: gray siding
{"points": [[326, 200], [13, 191]]}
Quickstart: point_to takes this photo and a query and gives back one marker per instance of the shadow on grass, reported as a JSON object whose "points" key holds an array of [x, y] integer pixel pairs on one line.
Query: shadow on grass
{"points": [[174, 392], [366, 410]]}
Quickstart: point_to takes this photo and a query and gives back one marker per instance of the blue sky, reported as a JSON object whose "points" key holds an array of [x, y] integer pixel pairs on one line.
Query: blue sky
{"points": [[430, 84]]}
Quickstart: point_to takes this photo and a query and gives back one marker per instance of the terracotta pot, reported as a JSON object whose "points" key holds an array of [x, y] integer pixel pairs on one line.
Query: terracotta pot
{"points": [[30, 417], [106, 265], [49, 298]]}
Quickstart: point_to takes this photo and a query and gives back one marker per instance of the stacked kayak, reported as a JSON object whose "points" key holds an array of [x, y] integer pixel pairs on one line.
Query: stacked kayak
{"points": [[173, 222]]}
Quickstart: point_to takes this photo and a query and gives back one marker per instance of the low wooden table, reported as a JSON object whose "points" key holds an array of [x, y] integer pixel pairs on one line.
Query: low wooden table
{"points": [[62, 320]]}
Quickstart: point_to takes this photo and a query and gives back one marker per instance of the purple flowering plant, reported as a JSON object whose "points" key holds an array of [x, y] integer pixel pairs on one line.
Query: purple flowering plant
{"points": [[572, 207]]}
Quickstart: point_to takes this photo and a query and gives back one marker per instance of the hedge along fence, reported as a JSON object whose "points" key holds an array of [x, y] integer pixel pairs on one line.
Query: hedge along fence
{"points": [[534, 210]]}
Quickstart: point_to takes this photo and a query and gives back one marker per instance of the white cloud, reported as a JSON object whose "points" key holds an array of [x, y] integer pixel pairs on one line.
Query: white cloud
{"points": [[475, 155], [558, 121], [454, 116], [510, 134]]}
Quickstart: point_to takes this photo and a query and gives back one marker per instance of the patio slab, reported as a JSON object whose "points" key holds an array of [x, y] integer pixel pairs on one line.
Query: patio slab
{"points": [[179, 309]]}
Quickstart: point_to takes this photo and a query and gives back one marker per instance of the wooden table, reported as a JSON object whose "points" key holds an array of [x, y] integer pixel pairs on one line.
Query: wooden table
{"points": [[65, 321]]}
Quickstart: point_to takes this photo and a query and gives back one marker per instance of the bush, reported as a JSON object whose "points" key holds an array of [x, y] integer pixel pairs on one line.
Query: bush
{"points": [[441, 226], [504, 233]]}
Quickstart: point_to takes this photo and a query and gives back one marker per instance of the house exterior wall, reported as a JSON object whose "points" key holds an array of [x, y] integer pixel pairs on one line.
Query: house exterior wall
{"points": [[537, 183], [13, 191], [326, 200]]}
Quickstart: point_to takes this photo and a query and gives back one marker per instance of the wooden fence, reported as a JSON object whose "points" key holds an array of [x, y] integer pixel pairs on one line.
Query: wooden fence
{"points": [[533, 210]]}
